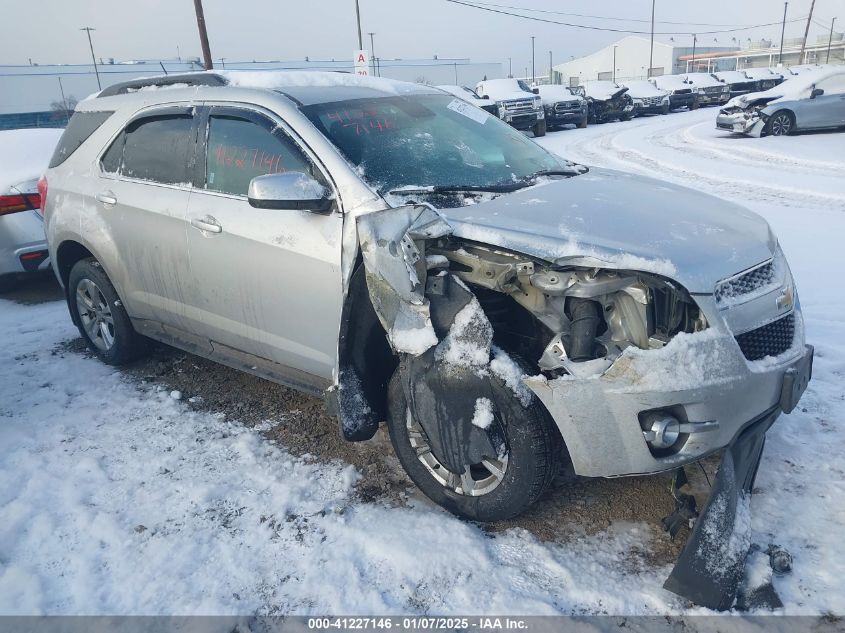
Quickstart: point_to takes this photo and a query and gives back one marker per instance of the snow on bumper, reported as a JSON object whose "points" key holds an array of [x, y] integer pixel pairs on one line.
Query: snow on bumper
{"points": [[741, 122], [701, 379]]}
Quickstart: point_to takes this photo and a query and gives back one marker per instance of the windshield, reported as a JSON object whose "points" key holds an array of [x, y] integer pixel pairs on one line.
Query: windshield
{"points": [[431, 141]]}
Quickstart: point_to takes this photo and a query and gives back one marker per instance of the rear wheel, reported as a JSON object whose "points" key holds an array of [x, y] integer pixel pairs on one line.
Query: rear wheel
{"points": [[500, 486], [100, 316], [540, 128], [781, 123]]}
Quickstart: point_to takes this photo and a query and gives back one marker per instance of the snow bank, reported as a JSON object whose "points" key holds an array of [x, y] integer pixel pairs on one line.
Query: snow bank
{"points": [[24, 154], [483, 415]]}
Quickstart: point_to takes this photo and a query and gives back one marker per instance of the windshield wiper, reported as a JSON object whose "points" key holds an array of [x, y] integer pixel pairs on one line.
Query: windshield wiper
{"points": [[494, 188]]}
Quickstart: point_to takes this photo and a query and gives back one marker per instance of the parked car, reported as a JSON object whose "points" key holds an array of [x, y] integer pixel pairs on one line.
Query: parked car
{"points": [[410, 261], [737, 82], [647, 98], [682, 94], [810, 101], [470, 96], [24, 155], [765, 77], [563, 107], [710, 90], [607, 101], [518, 105]]}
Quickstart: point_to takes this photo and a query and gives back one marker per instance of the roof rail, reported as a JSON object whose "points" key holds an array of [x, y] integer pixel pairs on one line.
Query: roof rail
{"points": [[191, 79]]}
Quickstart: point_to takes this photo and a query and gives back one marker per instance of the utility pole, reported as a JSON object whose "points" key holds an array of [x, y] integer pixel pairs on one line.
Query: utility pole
{"points": [[206, 50], [64, 101], [456, 73], [651, 47], [358, 16], [782, 31], [510, 68], [373, 50], [829, 40], [694, 40], [88, 29], [533, 72], [551, 71], [806, 32]]}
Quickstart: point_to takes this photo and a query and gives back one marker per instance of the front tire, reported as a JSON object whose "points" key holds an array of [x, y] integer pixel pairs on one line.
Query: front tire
{"points": [[695, 105], [501, 486], [781, 123], [540, 128], [583, 122], [100, 316]]}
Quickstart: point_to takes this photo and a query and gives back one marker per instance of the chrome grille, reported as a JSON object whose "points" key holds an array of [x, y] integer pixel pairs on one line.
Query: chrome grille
{"points": [[567, 106], [523, 105], [745, 283], [769, 340]]}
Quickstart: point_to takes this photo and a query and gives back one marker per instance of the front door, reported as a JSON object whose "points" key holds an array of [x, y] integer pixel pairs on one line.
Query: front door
{"points": [[266, 282]]}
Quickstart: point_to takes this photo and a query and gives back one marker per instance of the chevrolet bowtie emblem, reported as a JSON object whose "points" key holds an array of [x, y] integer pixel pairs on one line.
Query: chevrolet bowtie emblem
{"points": [[785, 299]]}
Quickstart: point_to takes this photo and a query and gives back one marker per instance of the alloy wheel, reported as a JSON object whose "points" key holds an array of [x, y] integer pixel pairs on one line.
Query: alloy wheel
{"points": [[475, 480], [781, 125], [95, 315]]}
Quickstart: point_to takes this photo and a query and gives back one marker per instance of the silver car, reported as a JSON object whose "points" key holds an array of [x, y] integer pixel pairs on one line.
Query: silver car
{"points": [[417, 261], [811, 101], [23, 247]]}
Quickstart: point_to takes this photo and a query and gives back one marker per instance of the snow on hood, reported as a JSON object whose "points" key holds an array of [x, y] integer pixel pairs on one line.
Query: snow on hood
{"points": [[703, 80], [462, 93], [732, 76], [617, 220], [792, 89], [502, 90], [642, 89], [602, 90], [672, 82], [556, 94]]}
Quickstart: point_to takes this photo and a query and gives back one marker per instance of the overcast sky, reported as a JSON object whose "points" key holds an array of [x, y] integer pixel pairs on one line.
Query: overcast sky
{"points": [[240, 30]]}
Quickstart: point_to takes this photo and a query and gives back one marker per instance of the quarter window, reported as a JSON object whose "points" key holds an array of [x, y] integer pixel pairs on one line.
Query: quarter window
{"points": [[239, 150], [833, 85], [157, 148]]}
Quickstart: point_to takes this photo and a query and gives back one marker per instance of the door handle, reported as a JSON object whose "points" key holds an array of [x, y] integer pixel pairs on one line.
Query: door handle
{"points": [[107, 198], [207, 225]]}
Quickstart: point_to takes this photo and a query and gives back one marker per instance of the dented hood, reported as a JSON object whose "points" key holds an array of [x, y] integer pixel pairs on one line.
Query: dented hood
{"points": [[617, 220]]}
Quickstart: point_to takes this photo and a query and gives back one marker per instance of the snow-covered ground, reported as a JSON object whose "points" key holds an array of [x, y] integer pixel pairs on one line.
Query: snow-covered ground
{"points": [[116, 498]]}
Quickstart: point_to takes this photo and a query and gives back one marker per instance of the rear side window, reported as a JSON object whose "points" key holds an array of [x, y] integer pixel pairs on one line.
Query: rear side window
{"points": [[79, 128], [157, 148]]}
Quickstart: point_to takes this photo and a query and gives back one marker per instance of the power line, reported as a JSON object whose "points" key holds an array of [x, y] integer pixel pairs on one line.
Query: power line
{"points": [[601, 17], [611, 30]]}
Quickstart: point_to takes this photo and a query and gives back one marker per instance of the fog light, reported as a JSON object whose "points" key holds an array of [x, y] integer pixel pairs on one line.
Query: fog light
{"points": [[661, 430]]}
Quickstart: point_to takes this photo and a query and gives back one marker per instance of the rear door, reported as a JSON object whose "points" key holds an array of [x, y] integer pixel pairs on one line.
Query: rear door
{"points": [[829, 108], [263, 281], [143, 191]]}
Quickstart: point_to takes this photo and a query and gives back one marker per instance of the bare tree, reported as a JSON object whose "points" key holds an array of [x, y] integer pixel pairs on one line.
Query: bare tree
{"points": [[65, 107]]}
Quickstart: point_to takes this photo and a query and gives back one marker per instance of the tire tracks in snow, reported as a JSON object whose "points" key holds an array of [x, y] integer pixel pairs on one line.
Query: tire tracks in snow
{"points": [[613, 147]]}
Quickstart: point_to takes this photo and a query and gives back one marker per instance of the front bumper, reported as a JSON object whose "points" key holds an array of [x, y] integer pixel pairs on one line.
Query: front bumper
{"points": [[523, 120], [703, 379], [682, 100], [741, 122], [714, 99], [568, 117]]}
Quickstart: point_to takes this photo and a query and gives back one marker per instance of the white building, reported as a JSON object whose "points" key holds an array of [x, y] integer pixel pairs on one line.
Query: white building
{"points": [[626, 59]]}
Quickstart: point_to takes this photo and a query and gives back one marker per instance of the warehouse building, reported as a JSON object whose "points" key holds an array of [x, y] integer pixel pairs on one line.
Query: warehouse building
{"points": [[41, 95]]}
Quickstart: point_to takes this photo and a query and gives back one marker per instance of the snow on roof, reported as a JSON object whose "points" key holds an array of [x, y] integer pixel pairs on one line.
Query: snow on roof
{"points": [[703, 80], [793, 88], [555, 93], [761, 73], [731, 76], [281, 79]]}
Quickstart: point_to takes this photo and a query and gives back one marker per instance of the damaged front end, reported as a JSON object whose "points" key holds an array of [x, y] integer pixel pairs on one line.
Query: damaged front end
{"points": [[743, 117], [638, 376]]}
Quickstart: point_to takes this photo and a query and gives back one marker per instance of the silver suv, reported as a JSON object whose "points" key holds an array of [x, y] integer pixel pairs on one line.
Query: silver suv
{"points": [[414, 259]]}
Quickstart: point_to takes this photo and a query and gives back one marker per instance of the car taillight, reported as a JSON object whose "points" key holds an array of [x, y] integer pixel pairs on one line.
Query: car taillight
{"points": [[20, 202], [42, 194]]}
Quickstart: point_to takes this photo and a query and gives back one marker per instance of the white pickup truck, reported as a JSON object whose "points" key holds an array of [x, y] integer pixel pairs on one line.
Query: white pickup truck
{"points": [[517, 104]]}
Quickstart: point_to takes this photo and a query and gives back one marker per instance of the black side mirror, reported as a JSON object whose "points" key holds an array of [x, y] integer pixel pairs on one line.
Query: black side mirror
{"points": [[536, 91], [817, 92]]}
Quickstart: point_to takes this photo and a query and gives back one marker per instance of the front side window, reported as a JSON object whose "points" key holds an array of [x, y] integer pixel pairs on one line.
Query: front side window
{"points": [[429, 141], [239, 150], [156, 149]]}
